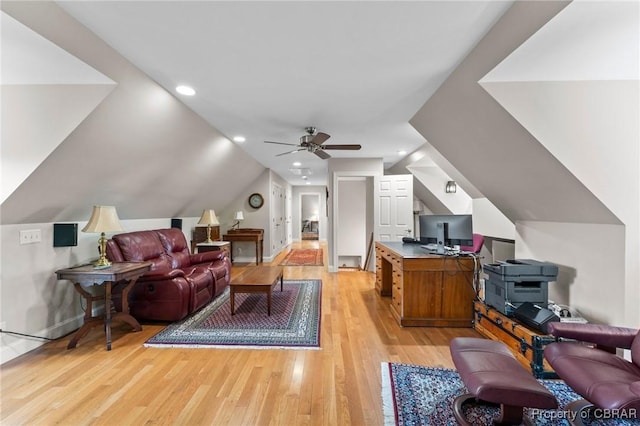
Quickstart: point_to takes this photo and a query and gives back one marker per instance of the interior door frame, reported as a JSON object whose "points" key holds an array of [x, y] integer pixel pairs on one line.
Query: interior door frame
{"points": [[333, 259], [300, 210], [278, 229]]}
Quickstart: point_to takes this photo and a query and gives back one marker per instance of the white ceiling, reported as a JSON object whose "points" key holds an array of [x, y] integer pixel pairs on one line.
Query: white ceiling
{"points": [[357, 70]]}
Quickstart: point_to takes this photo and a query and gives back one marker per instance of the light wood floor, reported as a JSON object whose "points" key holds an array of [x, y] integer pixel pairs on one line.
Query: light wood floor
{"points": [[337, 385]]}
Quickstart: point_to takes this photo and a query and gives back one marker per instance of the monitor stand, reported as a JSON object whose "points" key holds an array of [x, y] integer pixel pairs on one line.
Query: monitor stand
{"points": [[441, 232]]}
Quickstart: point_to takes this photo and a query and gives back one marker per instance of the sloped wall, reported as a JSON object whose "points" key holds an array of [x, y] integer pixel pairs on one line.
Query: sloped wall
{"points": [[141, 149], [537, 174]]}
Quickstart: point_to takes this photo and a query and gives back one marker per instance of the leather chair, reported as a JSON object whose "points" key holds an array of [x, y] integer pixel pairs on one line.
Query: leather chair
{"points": [[178, 284], [478, 242], [606, 381], [216, 262]]}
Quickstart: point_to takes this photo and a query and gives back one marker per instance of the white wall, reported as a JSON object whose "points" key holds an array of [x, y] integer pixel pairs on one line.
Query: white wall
{"points": [[352, 224], [578, 93], [32, 300], [435, 179], [310, 206], [591, 274], [488, 220], [339, 167], [320, 191], [141, 149]]}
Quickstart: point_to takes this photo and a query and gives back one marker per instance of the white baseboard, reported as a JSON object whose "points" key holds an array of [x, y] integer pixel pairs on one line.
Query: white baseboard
{"points": [[12, 346], [251, 259]]}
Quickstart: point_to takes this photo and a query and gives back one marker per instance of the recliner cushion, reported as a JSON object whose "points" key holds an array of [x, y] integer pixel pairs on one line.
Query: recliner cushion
{"points": [[175, 245], [604, 379], [491, 373], [143, 246]]}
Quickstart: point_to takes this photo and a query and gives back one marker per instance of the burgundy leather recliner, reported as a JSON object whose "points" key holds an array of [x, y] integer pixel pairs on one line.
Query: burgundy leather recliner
{"points": [[607, 382], [179, 283]]}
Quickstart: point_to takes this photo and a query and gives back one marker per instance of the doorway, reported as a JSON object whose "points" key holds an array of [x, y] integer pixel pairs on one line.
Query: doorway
{"points": [[309, 216]]}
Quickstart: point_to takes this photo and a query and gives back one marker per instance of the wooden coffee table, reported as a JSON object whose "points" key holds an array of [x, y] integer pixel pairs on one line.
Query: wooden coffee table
{"points": [[257, 279]]}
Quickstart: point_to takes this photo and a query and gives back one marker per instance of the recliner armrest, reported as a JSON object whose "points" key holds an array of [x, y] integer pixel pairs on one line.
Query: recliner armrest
{"points": [[600, 334], [161, 274], [207, 256]]}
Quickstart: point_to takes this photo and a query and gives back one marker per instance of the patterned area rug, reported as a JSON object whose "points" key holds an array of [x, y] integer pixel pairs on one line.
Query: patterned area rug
{"points": [[294, 322], [303, 257], [416, 395]]}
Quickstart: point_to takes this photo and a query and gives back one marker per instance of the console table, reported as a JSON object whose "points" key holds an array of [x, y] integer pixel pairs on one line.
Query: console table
{"points": [[85, 276], [426, 290], [247, 234]]}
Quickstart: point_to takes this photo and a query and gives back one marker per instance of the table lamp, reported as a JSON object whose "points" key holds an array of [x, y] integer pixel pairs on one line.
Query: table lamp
{"points": [[208, 218], [238, 217], [103, 219]]}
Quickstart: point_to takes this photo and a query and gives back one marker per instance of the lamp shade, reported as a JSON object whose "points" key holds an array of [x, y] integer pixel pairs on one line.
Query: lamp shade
{"points": [[103, 219], [239, 215], [208, 218]]}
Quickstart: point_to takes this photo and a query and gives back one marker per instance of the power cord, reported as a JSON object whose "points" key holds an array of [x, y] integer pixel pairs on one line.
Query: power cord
{"points": [[15, 333]]}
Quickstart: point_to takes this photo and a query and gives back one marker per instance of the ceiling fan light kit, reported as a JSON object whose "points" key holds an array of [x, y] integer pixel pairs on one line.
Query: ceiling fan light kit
{"points": [[314, 143]]}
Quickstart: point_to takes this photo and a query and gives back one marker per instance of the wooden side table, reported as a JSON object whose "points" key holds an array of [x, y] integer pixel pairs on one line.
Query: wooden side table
{"points": [[247, 234], [85, 275], [214, 246]]}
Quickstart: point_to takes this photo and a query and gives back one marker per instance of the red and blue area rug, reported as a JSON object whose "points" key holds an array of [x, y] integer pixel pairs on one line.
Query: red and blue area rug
{"points": [[417, 395], [294, 322], [303, 257]]}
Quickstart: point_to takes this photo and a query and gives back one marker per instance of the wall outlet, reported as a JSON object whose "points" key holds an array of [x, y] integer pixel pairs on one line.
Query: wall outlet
{"points": [[30, 236]]}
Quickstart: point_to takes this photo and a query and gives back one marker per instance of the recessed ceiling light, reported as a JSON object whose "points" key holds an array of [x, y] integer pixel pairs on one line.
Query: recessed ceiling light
{"points": [[304, 177], [402, 152], [297, 163], [308, 183], [185, 90], [301, 171], [239, 139]]}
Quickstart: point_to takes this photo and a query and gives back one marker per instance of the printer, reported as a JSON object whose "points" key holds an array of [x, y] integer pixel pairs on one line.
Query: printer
{"points": [[516, 281]]}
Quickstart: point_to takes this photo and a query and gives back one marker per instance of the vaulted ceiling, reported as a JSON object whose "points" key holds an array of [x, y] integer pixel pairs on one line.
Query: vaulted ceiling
{"points": [[356, 70], [389, 75]]}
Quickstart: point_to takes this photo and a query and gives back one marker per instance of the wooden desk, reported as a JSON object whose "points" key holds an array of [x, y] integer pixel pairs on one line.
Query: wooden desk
{"points": [[426, 290], [86, 275], [247, 234]]}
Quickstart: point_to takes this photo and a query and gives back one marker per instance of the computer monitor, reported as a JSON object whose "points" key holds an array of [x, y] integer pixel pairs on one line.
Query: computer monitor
{"points": [[446, 230]]}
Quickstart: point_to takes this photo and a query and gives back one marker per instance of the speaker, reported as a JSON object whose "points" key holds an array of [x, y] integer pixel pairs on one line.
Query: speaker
{"points": [[535, 316], [176, 223], [65, 234]]}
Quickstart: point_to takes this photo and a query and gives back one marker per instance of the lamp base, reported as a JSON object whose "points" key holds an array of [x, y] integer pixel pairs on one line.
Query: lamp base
{"points": [[96, 266], [102, 262]]}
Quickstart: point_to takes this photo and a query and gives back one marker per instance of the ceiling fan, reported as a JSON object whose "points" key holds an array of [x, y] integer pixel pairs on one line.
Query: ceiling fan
{"points": [[313, 142]]}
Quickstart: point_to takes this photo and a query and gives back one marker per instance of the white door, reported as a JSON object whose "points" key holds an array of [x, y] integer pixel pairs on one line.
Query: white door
{"points": [[278, 228], [393, 195]]}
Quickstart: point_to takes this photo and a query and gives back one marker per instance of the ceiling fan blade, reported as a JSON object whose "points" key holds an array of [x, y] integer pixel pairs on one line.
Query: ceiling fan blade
{"points": [[291, 152], [282, 143], [320, 153], [350, 147], [320, 138]]}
